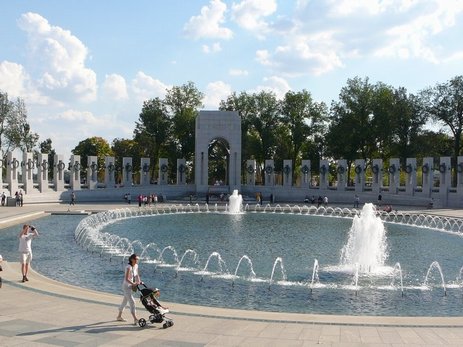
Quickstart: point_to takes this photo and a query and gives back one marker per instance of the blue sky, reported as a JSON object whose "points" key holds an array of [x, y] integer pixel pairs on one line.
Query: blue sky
{"points": [[85, 67]]}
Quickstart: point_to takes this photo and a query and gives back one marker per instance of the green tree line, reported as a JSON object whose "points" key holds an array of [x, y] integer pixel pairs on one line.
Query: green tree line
{"points": [[368, 120]]}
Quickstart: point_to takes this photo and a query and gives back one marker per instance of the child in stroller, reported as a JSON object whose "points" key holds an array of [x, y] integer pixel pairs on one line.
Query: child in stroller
{"points": [[148, 298]]}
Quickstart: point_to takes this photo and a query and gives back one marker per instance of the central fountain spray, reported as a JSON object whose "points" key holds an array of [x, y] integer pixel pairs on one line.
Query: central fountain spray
{"points": [[236, 203], [366, 245]]}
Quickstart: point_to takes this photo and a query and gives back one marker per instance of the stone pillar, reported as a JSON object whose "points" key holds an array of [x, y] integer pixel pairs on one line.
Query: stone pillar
{"points": [[269, 172], [359, 175], [394, 175], [42, 172], [287, 173], [410, 170], [324, 173], [163, 171], [377, 171], [428, 173], [28, 167], [145, 174], [109, 172], [92, 171], [181, 171], [445, 170], [74, 171], [342, 174], [12, 166], [460, 175], [251, 172], [58, 172], [127, 169], [306, 176]]}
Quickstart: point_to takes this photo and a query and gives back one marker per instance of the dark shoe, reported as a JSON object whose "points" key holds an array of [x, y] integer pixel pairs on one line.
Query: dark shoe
{"points": [[25, 277], [0, 282]]}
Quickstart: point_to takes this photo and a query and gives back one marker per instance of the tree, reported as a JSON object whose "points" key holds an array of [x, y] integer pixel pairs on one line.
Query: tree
{"points": [[303, 119], [183, 103], [124, 148], [93, 146], [153, 130], [444, 104], [350, 132], [46, 147], [15, 131]]}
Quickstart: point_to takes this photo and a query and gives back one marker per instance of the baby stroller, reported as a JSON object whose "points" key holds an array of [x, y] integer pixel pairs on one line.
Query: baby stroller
{"points": [[148, 298]]}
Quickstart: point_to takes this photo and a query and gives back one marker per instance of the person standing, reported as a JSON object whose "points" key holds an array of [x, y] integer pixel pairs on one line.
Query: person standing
{"points": [[73, 198], [26, 235], [129, 285], [380, 199]]}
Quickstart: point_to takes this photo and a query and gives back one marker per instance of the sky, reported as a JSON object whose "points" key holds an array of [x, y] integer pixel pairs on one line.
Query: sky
{"points": [[85, 67]]}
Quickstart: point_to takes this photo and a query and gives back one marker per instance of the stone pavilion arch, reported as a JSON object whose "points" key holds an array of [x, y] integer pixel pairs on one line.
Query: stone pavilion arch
{"points": [[218, 128]]}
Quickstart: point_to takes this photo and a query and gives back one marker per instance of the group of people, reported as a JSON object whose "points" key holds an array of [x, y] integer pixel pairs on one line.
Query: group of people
{"points": [[19, 198], [319, 201]]}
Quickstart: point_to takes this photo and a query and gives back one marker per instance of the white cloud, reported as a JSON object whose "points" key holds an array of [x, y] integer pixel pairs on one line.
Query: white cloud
{"points": [[216, 92], [275, 84], [413, 39], [238, 72], [250, 14], [115, 87], [60, 58], [214, 48], [146, 87], [313, 54], [208, 23], [455, 57]]}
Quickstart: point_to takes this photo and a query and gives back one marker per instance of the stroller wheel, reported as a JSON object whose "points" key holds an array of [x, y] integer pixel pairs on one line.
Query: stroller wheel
{"points": [[142, 322], [165, 326]]}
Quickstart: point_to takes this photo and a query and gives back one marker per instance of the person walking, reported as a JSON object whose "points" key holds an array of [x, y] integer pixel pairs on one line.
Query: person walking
{"points": [[129, 285], [73, 199], [26, 235]]}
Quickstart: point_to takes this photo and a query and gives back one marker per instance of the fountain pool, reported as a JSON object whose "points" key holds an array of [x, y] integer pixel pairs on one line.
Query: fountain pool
{"points": [[279, 258]]}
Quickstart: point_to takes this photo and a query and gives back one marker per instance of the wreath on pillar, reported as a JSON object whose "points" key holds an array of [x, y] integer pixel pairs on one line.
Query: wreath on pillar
{"points": [[375, 169], [30, 164], [44, 165], [164, 168], [358, 169], [250, 169], [425, 168], [460, 167], [61, 166], [409, 168], [287, 170], [93, 166], [305, 169], [181, 168], [15, 163], [269, 170], [76, 166], [341, 169], [128, 167], [442, 168], [392, 169], [323, 169], [146, 167], [111, 167]]}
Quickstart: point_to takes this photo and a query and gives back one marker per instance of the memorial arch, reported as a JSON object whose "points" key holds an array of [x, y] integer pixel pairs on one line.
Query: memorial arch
{"points": [[223, 129]]}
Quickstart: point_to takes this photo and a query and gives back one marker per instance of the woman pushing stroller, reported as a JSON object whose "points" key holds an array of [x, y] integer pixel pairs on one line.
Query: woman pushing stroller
{"points": [[129, 286]]}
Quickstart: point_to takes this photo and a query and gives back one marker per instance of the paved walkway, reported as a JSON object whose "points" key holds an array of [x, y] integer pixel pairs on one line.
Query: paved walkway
{"points": [[43, 312]]}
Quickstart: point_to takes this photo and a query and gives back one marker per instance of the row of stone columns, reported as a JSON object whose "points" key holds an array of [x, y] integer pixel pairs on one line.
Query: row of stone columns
{"points": [[378, 173], [26, 165]]}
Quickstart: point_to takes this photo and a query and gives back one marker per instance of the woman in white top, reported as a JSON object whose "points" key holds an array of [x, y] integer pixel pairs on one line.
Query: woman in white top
{"points": [[129, 284]]}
